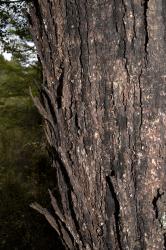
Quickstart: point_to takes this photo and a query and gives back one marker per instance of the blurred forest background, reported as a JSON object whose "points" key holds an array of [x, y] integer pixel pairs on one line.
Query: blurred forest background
{"points": [[25, 173]]}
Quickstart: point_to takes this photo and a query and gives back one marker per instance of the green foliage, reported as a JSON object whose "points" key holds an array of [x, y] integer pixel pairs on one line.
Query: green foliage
{"points": [[25, 174], [14, 33], [16, 83]]}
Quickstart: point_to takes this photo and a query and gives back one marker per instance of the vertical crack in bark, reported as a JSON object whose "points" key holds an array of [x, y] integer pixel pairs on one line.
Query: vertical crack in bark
{"points": [[116, 211], [60, 89], [134, 23], [69, 58], [154, 202], [73, 214], [65, 233], [48, 42], [145, 5], [160, 214], [69, 200], [48, 105], [141, 105], [125, 41], [80, 35], [38, 12], [77, 123], [115, 16], [87, 34]]}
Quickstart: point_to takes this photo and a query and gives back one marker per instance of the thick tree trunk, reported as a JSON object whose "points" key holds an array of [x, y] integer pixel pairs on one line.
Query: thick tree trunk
{"points": [[104, 104]]}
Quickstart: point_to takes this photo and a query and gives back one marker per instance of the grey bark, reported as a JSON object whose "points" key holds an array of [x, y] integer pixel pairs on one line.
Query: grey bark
{"points": [[103, 101]]}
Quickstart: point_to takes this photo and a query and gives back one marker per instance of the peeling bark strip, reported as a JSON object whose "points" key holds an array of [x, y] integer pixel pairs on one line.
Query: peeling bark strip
{"points": [[104, 105]]}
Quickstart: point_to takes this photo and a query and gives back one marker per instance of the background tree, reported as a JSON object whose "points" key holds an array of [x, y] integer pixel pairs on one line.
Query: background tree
{"points": [[103, 100]]}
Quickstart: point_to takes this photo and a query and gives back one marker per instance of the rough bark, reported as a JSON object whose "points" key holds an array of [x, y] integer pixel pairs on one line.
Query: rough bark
{"points": [[103, 101]]}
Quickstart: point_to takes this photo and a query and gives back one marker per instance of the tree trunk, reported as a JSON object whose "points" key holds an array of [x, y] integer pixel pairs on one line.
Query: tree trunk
{"points": [[104, 105]]}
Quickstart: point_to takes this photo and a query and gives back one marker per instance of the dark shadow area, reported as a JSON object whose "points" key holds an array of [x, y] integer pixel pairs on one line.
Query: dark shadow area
{"points": [[25, 172]]}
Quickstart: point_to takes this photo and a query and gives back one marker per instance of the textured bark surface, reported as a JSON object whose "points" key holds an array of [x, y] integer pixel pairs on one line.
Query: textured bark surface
{"points": [[104, 105]]}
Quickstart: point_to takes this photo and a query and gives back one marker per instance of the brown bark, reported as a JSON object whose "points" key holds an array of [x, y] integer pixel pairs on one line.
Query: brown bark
{"points": [[103, 101]]}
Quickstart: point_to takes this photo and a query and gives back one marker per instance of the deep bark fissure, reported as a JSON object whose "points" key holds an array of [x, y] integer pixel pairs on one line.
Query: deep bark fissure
{"points": [[116, 211], [141, 104], [70, 205], [145, 5], [61, 225], [81, 39], [125, 40], [154, 202], [115, 16], [134, 24], [60, 89], [73, 214]]}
